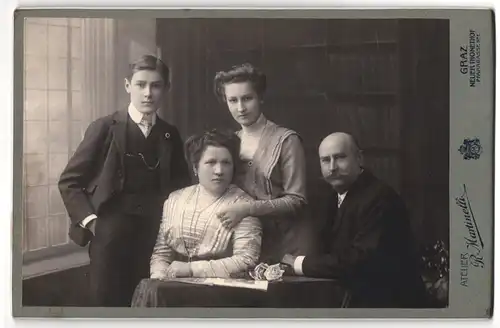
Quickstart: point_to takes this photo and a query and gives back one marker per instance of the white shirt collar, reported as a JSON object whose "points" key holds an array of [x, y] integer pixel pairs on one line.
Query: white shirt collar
{"points": [[341, 198], [137, 116]]}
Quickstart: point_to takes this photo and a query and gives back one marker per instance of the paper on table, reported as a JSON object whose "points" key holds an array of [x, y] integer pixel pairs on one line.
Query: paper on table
{"points": [[238, 283], [196, 281], [241, 283]]}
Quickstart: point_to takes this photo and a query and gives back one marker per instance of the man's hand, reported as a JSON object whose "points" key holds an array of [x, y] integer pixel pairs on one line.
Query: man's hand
{"points": [[91, 226], [288, 260]]}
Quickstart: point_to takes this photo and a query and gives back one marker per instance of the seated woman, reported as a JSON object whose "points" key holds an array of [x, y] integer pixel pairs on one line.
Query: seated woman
{"points": [[192, 241]]}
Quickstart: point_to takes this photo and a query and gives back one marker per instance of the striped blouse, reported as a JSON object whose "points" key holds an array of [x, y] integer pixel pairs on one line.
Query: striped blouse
{"points": [[186, 231]]}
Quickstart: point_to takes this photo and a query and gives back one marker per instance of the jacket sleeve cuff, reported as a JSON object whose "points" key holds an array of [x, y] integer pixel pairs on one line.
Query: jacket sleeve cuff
{"points": [[87, 220], [297, 265]]}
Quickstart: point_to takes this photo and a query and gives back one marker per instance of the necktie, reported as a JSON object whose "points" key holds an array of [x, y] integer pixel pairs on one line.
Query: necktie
{"points": [[340, 199], [146, 122]]}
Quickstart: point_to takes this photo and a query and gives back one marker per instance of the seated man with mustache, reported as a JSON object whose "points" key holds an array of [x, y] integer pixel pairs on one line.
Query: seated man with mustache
{"points": [[367, 243]]}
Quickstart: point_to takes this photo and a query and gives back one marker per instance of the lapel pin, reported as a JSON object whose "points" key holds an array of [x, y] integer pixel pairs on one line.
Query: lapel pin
{"points": [[167, 135]]}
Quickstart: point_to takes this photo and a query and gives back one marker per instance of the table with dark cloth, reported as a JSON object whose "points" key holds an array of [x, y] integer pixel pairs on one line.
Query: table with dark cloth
{"points": [[291, 292]]}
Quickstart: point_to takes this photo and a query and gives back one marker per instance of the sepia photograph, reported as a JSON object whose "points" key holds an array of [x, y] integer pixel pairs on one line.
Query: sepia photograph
{"points": [[249, 162]]}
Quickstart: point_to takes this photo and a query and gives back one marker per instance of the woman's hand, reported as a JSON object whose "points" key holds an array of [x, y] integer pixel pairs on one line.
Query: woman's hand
{"points": [[232, 214], [178, 270]]}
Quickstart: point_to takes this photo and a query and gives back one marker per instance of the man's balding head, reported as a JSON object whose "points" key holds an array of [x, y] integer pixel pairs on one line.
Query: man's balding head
{"points": [[341, 160], [341, 137]]}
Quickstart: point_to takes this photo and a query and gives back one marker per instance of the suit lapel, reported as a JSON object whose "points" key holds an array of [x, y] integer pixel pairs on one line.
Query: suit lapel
{"points": [[350, 198], [119, 130], [164, 150], [339, 212]]}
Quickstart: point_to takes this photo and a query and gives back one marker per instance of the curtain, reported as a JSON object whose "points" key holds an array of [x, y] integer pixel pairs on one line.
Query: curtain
{"points": [[99, 68]]}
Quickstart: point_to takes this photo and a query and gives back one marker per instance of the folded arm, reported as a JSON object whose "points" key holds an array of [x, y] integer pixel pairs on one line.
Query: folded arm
{"points": [[293, 170], [246, 240], [347, 261]]}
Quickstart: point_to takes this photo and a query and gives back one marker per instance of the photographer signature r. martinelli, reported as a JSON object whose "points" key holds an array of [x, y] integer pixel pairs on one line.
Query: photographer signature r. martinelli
{"points": [[473, 241]]}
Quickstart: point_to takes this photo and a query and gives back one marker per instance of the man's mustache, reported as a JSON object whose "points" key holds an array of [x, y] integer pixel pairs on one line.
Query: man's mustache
{"points": [[333, 176]]}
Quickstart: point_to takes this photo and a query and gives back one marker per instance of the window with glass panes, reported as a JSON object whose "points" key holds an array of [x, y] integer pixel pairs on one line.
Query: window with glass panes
{"points": [[53, 126]]}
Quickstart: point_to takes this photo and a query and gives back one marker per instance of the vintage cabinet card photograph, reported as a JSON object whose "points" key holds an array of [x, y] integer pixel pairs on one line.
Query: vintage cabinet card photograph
{"points": [[253, 163]]}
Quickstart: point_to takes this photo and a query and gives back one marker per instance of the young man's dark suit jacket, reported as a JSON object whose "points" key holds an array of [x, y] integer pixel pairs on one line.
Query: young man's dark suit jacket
{"points": [[95, 173], [368, 245]]}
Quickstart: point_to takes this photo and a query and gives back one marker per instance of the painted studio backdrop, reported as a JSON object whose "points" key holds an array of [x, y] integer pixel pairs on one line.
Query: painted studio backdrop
{"points": [[385, 81]]}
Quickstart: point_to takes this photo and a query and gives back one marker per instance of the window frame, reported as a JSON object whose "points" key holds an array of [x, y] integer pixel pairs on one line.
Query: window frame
{"points": [[35, 260]]}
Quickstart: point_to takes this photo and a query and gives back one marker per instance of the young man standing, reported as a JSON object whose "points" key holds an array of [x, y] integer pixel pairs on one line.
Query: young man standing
{"points": [[115, 184]]}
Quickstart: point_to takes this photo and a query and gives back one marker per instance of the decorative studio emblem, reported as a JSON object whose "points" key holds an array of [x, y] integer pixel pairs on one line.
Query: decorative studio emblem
{"points": [[471, 148]]}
